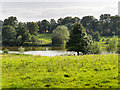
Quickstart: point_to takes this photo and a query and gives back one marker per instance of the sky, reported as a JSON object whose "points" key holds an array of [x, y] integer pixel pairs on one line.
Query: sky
{"points": [[37, 10]]}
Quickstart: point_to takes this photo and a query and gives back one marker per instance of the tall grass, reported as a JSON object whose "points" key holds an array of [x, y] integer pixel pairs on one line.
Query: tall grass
{"points": [[87, 71]]}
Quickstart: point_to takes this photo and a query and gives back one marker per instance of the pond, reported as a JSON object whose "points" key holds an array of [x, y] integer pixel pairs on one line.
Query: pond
{"points": [[43, 51]]}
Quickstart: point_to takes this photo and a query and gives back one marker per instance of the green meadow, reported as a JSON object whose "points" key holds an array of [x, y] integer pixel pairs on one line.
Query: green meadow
{"points": [[45, 38], [85, 71]]}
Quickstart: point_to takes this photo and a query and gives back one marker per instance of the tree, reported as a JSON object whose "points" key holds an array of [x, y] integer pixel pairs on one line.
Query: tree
{"points": [[23, 34], [53, 25], [90, 23], [78, 40], [95, 48], [1, 23], [114, 25], [45, 25], [8, 35], [33, 28], [60, 35], [60, 21], [96, 36], [105, 20], [112, 45], [11, 21]]}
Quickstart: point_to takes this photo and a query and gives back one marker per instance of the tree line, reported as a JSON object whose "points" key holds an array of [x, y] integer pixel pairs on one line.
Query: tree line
{"points": [[19, 33], [106, 25]]}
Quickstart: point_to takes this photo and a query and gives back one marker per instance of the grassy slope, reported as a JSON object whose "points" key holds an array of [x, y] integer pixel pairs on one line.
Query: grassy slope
{"points": [[45, 38], [89, 71]]}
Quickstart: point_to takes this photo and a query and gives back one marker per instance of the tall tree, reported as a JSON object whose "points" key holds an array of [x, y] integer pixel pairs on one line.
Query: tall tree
{"points": [[114, 25], [1, 23], [105, 24], [53, 25], [11, 21], [44, 26], [33, 28], [78, 40], [90, 23], [23, 34], [105, 18], [60, 35], [8, 35]]}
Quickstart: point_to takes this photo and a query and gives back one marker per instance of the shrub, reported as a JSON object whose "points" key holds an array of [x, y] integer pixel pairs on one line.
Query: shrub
{"points": [[112, 45], [103, 39], [95, 48], [21, 50], [107, 41], [60, 35], [6, 51]]}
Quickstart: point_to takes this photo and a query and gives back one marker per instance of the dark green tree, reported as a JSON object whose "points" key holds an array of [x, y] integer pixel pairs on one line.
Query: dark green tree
{"points": [[8, 35], [53, 25], [44, 26], [1, 23], [11, 21], [96, 36], [105, 24], [33, 28], [23, 34], [114, 25], [78, 40], [90, 23]]}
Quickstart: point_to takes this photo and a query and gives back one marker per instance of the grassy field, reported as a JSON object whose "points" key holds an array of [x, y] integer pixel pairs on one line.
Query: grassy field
{"points": [[88, 71], [45, 38]]}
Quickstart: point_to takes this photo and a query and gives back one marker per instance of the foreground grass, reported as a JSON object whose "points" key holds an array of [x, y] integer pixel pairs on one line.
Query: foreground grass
{"points": [[89, 71]]}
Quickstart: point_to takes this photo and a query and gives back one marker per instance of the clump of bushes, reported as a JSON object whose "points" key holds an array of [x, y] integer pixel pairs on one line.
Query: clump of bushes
{"points": [[103, 39], [21, 49], [107, 41], [6, 51]]}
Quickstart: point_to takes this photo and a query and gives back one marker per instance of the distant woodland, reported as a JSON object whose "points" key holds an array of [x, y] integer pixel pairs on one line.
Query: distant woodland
{"points": [[25, 33]]}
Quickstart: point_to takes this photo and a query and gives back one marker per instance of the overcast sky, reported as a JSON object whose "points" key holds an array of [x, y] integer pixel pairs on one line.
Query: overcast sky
{"points": [[37, 10]]}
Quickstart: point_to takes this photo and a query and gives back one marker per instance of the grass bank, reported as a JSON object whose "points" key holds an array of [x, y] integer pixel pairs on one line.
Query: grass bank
{"points": [[88, 71], [45, 38]]}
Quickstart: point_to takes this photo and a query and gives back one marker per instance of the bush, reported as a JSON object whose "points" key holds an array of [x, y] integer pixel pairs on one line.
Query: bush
{"points": [[103, 39], [107, 41], [60, 35], [21, 50], [6, 51], [96, 36], [112, 45], [95, 48]]}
